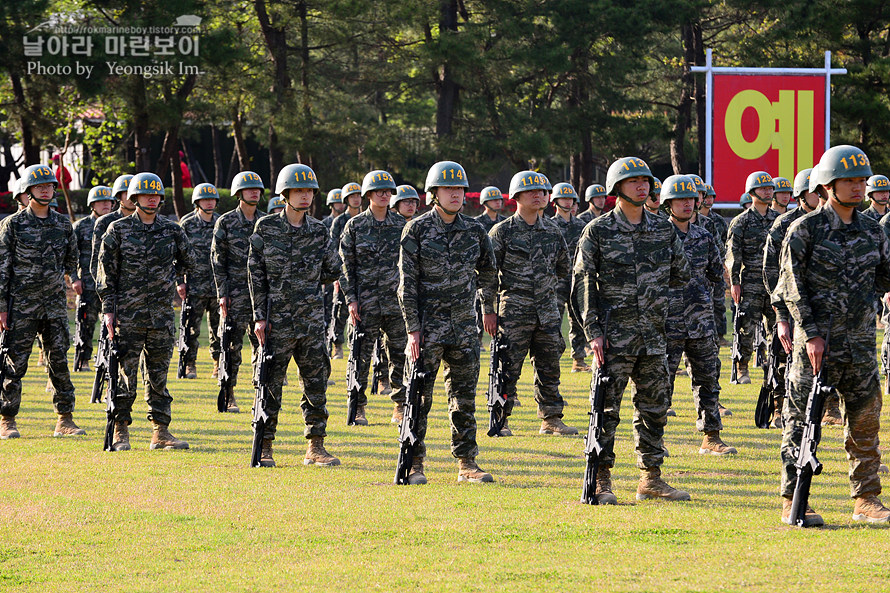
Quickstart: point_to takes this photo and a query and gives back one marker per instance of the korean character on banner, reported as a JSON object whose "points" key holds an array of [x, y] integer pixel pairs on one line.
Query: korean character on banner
{"points": [[116, 45], [139, 45], [188, 45], [82, 45], [33, 49], [164, 46], [57, 46]]}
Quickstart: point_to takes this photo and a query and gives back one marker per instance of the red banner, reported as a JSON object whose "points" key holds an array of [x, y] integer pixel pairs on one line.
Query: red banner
{"points": [[766, 122]]}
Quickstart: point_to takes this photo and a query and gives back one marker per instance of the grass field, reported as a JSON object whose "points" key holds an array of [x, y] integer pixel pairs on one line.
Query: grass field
{"points": [[73, 518]]}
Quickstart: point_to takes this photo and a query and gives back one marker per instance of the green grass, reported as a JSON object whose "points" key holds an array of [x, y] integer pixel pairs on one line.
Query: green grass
{"points": [[75, 518]]}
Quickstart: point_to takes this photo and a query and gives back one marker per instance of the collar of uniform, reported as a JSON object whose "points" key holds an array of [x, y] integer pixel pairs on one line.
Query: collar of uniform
{"points": [[30, 214], [625, 225], [538, 226], [389, 220], [835, 222], [458, 223], [291, 228]]}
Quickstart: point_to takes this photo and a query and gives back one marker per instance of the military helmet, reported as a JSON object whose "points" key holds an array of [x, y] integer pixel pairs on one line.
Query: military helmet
{"points": [[247, 180], [594, 191], [801, 183], [758, 179], [842, 162], [625, 168], [403, 192], [54, 203], [295, 176], [145, 183], [656, 186], [490, 193], [782, 184], [563, 190], [204, 190], [276, 202], [527, 181], [334, 197], [877, 183], [121, 184], [813, 184], [100, 193], [678, 187], [745, 199], [711, 191], [698, 181], [547, 185], [18, 188], [38, 175], [377, 180], [444, 174]]}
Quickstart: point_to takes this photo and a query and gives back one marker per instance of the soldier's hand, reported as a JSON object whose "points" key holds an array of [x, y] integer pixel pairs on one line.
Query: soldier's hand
{"points": [[887, 299], [353, 312], [784, 331], [597, 347], [3, 319], [224, 306], [77, 287], [180, 290], [109, 324], [336, 286], [736, 292], [259, 328], [490, 323], [414, 345], [815, 349]]}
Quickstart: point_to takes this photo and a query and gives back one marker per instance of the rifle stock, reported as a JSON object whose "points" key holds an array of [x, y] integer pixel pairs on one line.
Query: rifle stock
{"points": [[592, 446], [80, 319], [225, 363], [111, 408], [497, 378], [182, 344], [101, 363], [408, 426], [735, 353], [262, 393]]}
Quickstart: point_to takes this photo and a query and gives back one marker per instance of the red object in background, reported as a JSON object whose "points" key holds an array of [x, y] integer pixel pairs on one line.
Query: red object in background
{"points": [[64, 177], [770, 123], [186, 176]]}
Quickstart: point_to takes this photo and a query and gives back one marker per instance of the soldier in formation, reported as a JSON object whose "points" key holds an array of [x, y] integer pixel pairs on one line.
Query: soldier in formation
{"points": [[595, 196], [352, 197], [405, 201]]}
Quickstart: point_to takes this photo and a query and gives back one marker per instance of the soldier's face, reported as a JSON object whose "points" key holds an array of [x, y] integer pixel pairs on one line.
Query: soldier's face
{"points": [[102, 207], [636, 188], [565, 203], [126, 202], [354, 201], [207, 204], [652, 202], [599, 202], [148, 201], [880, 197], [533, 198], [574, 207], [44, 191], [746, 205], [850, 190], [450, 198], [380, 197], [811, 199], [764, 193], [300, 198], [782, 198], [338, 207], [707, 201], [407, 208], [682, 208], [495, 205], [251, 195]]}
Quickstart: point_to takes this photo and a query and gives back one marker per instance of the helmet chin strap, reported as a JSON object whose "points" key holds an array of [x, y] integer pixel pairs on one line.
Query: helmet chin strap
{"points": [[632, 201], [569, 209], [446, 210], [248, 202], [148, 210], [680, 218], [295, 209], [762, 200], [206, 210], [839, 201], [41, 201]]}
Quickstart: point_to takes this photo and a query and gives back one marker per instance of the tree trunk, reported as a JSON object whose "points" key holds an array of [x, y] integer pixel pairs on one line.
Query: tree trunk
{"points": [[240, 146], [141, 138], [700, 105], [276, 42], [448, 89], [30, 148], [217, 157], [684, 109]]}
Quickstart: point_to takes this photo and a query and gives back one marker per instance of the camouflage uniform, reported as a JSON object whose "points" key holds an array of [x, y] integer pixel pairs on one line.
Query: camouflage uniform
{"points": [[744, 258], [228, 257], [369, 250], [336, 230], [201, 286], [571, 231], [690, 326], [487, 223], [531, 260], [287, 266], [829, 268], [628, 268], [35, 255], [716, 225], [138, 267], [99, 229], [83, 233], [439, 266], [872, 213], [587, 216]]}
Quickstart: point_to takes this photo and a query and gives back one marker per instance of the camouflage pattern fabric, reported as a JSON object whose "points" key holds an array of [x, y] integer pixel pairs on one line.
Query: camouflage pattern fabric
{"points": [[88, 327], [83, 233], [571, 231], [716, 225], [628, 270], [287, 267], [201, 284], [99, 229], [872, 213], [487, 223], [829, 268], [440, 267], [369, 249], [587, 216], [703, 364]]}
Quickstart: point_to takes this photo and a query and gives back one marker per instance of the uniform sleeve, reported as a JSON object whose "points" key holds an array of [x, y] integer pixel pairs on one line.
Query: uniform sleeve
{"points": [[791, 287], [185, 256], [72, 254], [497, 245], [330, 263], [563, 266], [584, 283], [108, 269], [98, 233], [348, 279], [680, 271], [734, 240], [219, 259], [409, 252], [256, 274], [7, 242], [486, 272], [882, 272], [714, 269]]}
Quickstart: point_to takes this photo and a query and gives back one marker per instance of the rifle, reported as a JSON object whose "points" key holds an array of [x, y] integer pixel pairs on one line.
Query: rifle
{"points": [[766, 401], [760, 345], [4, 343], [331, 334], [263, 393], [497, 378], [80, 319], [408, 426], [111, 397], [182, 343], [806, 463], [735, 352], [379, 373], [225, 363], [885, 359], [592, 446], [353, 387], [101, 362]]}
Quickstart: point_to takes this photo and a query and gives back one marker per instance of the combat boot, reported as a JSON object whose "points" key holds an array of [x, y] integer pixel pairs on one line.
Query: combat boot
{"points": [[121, 439], [215, 373], [191, 372], [398, 413], [883, 469], [810, 518], [266, 454], [505, 431], [385, 387], [652, 486], [360, 418], [468, 471], [162, 439], [744, 377], [579, 366], [338, 352], [231, 404], [712, 444], [604, 493], [869, 508], [724, 412], [415, 476], [66, 427], [670, 413], [318, 455], [8, 429], [832, 415], [555, 425]]}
